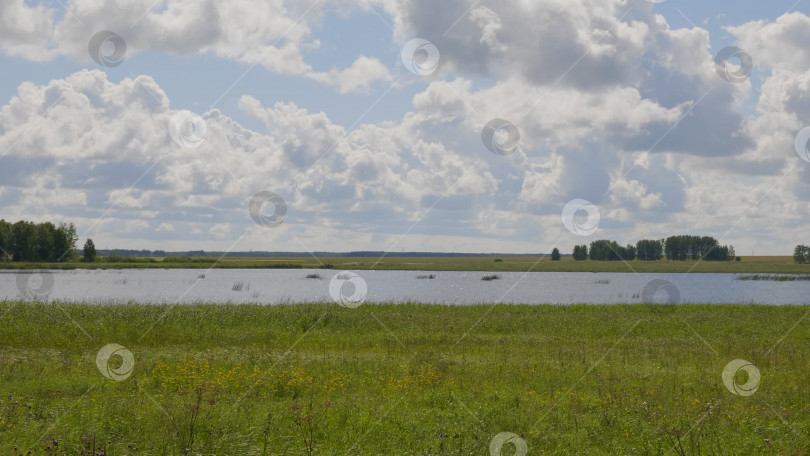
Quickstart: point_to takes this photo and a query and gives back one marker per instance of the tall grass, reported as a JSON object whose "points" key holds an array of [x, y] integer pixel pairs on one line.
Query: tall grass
{"points": [[401, 379]]}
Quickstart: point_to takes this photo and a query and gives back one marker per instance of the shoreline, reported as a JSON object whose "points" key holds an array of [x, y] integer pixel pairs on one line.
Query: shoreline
{"points": [[749, 265], [392, 304]]}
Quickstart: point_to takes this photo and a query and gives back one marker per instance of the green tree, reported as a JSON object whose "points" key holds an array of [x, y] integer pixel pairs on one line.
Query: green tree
{"points": [[682, 248], [629, 252], [44, 241], [6, 236], [649, 250], [799, 255], [65, 243], [580, 253], [604, 250], [23, 235], [555, 254], [89, 251]]}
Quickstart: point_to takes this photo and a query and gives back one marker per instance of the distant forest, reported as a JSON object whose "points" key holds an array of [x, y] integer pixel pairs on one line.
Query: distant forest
{"points": [[676, 248], [364, 254], [28, 241]]}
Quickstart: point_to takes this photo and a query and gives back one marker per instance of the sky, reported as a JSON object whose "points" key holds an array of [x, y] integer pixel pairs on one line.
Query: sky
{"points": [[510, 126]]}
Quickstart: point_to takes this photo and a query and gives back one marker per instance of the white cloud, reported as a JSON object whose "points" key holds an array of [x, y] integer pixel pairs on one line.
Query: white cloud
{"points": [[220, 230], [274, 35], [361, 177], [128, 198], [612, 105], [26, 31], [781, 44], [360, 75]]}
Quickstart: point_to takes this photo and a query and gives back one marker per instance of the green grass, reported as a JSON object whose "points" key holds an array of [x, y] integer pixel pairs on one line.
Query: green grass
{"points": [[758, 265], [403, 379]]}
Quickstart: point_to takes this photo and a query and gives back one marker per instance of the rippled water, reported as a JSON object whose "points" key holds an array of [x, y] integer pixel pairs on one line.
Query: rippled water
{"points": [[272, 286]]}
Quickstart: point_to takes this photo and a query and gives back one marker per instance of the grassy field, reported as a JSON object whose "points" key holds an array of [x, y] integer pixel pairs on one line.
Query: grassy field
{"points": [[402, 379], [764, 264]]}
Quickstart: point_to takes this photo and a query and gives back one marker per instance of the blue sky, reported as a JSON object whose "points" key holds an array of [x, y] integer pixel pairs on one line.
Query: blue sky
{"points": [[657, 162]]}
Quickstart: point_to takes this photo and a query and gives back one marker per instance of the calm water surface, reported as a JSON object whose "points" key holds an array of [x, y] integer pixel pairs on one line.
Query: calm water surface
{"points": [[273, 286]]}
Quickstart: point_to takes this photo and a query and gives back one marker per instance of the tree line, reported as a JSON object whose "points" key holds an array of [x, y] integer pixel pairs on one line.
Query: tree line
{"points": [[678, 248], [28, 241]]}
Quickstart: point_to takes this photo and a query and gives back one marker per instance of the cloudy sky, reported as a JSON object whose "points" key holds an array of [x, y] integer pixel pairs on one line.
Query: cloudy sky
{"points": [[152, 124]]}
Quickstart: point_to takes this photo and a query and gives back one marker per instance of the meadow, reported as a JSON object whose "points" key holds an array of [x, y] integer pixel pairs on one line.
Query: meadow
{"points": [[406, 379], [761, 264]]}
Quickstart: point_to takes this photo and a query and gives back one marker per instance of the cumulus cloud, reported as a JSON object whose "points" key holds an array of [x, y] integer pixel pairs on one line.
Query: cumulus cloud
{"points": [[275, 35], [362, 176], [781, 44], [612, 105], [26, 31], [595, 43], [360, 75]]}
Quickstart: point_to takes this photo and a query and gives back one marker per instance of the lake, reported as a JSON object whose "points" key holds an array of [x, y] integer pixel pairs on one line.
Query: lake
{"points": [[274, 286]]}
